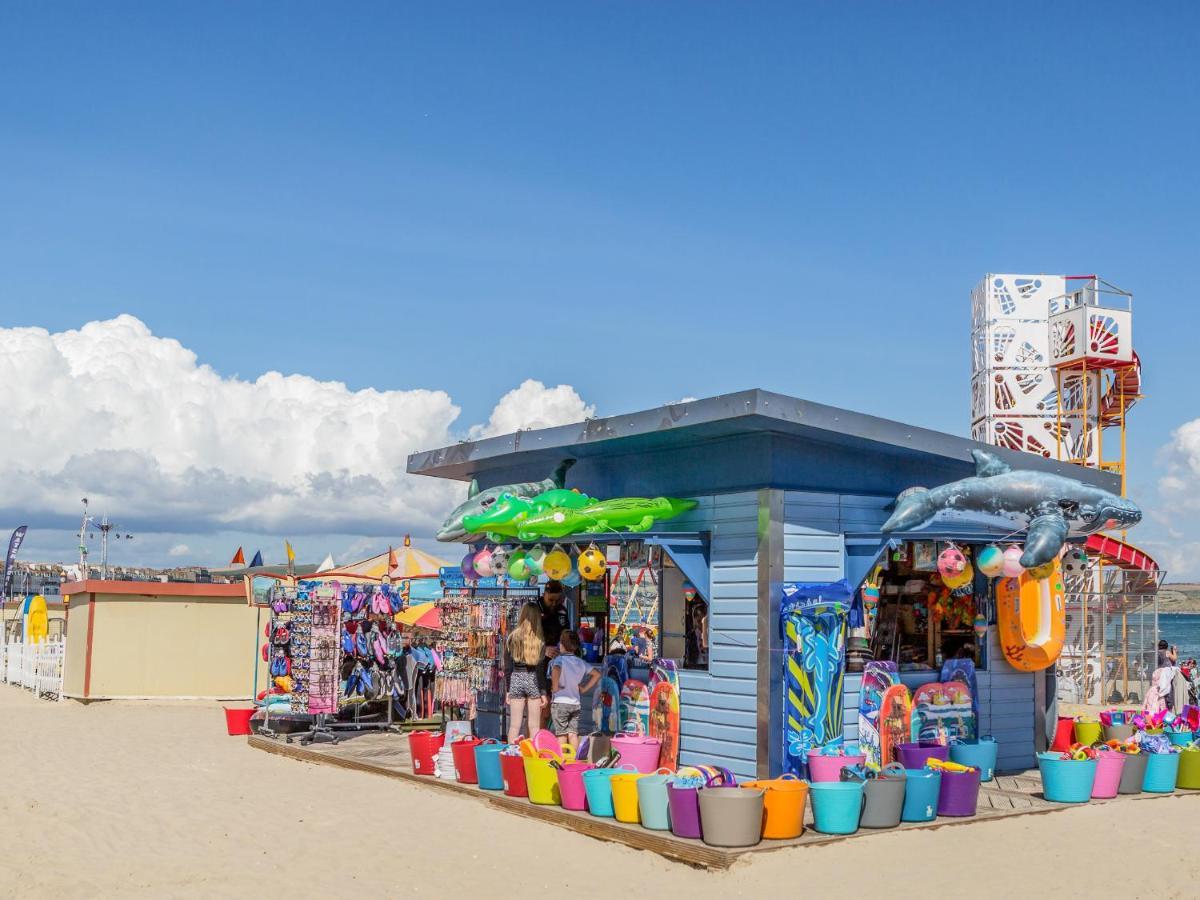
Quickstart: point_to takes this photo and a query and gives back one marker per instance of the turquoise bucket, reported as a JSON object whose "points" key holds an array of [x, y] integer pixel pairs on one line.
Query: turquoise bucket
{"points": [[487, 765], [1068, 780], [837, 805], [921, 795], [980, 754], [597, 784], [1180, 738], [653, 806], [1162, 769]]}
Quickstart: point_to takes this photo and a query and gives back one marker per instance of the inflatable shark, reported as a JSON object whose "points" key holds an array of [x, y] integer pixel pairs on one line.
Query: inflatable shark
{"points": [[1050, 507], [478, 501]]}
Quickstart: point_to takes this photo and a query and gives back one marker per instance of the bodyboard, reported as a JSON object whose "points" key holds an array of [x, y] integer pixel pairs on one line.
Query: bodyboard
{"points": [[941, 712], [606, 706], [635, 707], [963, 670], [877, 677], [895, 721], [664, 722]]}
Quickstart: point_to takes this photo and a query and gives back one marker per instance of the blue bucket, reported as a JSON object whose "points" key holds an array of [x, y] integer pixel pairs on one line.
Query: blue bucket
{"points": [[837, 805], [487, 765], [1162, 769], [653, 806], [980, 754], [1068, 780], [597, 785], [1180, 738], [921, 795]]}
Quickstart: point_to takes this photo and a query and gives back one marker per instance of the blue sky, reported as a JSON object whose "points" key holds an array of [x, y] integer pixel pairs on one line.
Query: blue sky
{"points": [[642, 201]]}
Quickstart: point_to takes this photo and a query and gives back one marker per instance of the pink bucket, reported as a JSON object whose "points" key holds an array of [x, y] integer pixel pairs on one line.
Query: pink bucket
{"points": [[1109, 766], [638, 751], [570, 785], [829, 768]]}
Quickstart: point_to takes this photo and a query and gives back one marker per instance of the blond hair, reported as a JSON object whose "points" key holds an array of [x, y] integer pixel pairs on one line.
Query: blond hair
{"points": [[527, 644]]}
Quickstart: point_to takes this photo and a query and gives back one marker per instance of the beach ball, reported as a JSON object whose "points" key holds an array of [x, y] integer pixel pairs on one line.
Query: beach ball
{"points": [[535, 559], [518, 566], [483, 563], [1045, 570], [1074, 563], [1012, 562], [468, 564], [592, 564], [980, 627], [557, 564], [961, 579], [990, 560], [951, 562], [499, 560]]}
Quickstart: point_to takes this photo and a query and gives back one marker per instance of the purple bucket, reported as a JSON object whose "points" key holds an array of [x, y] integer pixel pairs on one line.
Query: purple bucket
{"points": [[913, 756], [959, 794], [684, 805]]}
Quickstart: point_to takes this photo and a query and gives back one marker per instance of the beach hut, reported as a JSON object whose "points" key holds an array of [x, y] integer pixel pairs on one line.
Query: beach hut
{"points": [[787, 492]]}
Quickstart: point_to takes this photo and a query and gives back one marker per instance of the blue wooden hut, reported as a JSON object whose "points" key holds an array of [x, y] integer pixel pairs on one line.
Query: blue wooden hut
{"points": [[788, 491]]}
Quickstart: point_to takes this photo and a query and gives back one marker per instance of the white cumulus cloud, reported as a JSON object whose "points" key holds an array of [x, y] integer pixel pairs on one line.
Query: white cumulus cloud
{"points": [[136, 423], [179, 550], [1178, 509]]}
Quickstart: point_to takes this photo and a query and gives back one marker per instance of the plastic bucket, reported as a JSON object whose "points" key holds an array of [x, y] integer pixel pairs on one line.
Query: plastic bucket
{"points": [[921, 789], [1109, 766], [464, 760], [1178, 738], [684, 803], [1066, 780], [829, 768], [237, 721], [783, 805], [424, 746], [1120, 733], [639, 751], [959, 793], [1162, 769], [731, 816], [981, 754], [625, 797], [1134, 773], [653, 805], [513, 770], [1087, 733], [913, 756], [597, 784], [1064, 734], [541, 780], [570, 785], [487, 766], [598, 746], [837, 806], [1189, 770], [885, 799]]}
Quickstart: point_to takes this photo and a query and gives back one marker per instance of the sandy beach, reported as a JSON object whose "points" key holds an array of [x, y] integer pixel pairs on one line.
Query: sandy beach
{"points": [[136, 799]]}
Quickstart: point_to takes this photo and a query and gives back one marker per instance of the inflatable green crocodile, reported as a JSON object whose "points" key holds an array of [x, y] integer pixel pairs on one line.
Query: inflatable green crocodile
{"points": [[501, 519], [619, 514]]}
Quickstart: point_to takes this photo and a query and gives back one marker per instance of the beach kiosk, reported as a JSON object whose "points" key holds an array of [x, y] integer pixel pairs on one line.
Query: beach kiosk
{"points": [[787, 492]]}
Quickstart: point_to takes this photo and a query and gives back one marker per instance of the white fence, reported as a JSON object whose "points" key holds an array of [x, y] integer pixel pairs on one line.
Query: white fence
{"points": [[36, 667]]}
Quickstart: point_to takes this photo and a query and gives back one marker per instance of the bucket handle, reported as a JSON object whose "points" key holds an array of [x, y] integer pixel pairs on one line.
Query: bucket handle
{"points": [[895, 768], [789, 776], [664, 770]]}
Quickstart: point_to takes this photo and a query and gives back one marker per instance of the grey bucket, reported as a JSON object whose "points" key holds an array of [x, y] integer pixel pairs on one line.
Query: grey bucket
{"points": [[1133, 773], [885, 798], [598, 746], [1118, 732], [731, 816]]}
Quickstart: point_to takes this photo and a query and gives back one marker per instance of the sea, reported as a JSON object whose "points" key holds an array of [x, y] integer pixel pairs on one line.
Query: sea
{"points": [[1182, 630]]}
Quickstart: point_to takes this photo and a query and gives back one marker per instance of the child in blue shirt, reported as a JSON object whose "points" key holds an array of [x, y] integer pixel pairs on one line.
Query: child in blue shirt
{"points": [[570, 677]]}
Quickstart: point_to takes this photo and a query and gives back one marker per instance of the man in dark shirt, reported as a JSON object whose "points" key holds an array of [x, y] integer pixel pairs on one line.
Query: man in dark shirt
{"points": [[554, 623]]}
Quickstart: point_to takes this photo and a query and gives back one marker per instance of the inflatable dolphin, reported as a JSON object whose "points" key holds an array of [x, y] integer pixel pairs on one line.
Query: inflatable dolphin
{"points": [[478, 501], [1051, 507]]}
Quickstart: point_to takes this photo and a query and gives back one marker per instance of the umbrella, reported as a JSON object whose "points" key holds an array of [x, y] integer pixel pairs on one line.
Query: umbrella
{"points": [[408, 562], [423, 615]]}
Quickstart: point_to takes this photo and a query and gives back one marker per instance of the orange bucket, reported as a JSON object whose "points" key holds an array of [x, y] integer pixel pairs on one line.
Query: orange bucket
{"points": [[783, 804]]}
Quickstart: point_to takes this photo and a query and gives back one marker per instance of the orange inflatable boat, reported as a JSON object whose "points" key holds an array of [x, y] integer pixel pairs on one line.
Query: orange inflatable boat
{"points": [[1031, 620]]}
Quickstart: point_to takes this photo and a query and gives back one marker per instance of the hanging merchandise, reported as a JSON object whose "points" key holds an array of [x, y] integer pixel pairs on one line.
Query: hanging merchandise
{"points": [[1012, 562], [468, 565], [990, 560], [592, 563], [499, 561], [323, 650], [557, 564], [1031, 620], [963, 578], [482, 563], [951, 563], [518, 566], [504, 518], [1074, 563], [534, 560], [1045, 570]]}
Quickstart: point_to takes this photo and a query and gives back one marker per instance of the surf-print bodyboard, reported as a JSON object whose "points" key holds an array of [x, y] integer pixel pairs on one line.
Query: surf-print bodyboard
{"points": [[941, 712], [635, 707], [606, 712], [664, 722], [877, 677]]}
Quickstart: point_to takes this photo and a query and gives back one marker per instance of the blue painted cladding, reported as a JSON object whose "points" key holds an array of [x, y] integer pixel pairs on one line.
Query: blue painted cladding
{"points": [[718, 708], [1006, 696]]}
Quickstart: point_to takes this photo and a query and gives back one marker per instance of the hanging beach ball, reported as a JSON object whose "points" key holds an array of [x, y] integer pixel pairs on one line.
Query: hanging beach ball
{"points": [[499, 560], [951, 562], [592, 564], [535, 559], [1045, 570], [557, 564], [518, 566], [1012, 562], [468, 564], [990, 560], [961, 579], [980, 627], [1074, 563], [483, 563]]}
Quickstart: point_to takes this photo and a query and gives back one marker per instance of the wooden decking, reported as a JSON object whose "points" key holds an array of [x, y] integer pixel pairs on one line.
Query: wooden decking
{"points": [[387, 755]]}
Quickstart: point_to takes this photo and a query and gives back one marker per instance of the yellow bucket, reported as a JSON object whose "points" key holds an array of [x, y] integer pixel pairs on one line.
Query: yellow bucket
{"points": [[542, 782], [625, 797]]}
